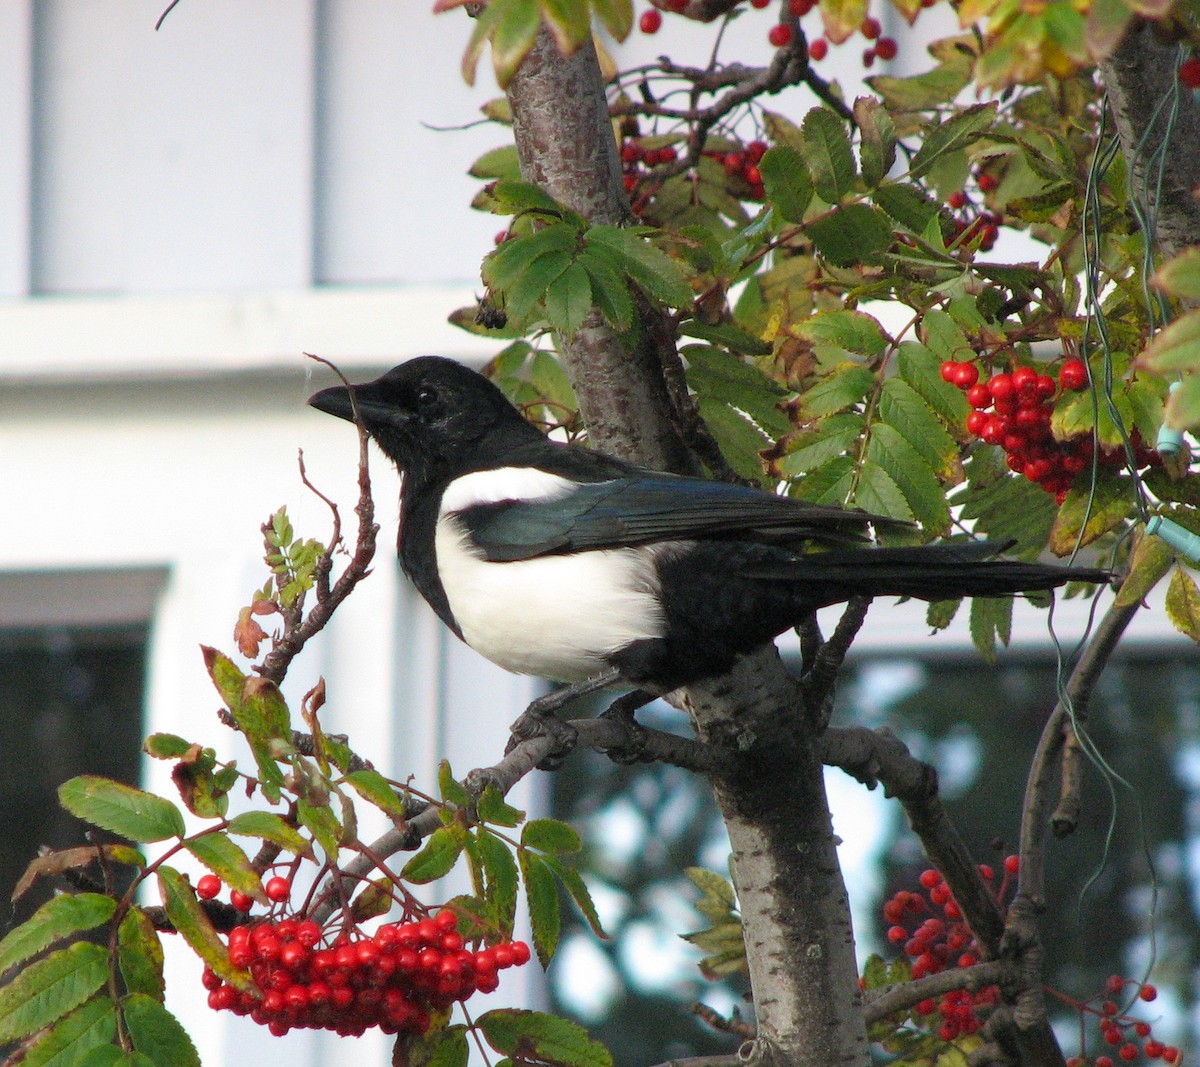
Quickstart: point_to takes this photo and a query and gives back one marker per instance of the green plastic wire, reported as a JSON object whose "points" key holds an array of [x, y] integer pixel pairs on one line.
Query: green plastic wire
{"points": [[1152, 156]]}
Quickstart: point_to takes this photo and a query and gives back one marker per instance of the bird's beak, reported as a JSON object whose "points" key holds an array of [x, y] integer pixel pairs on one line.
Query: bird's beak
{"points": [[334, 401]]}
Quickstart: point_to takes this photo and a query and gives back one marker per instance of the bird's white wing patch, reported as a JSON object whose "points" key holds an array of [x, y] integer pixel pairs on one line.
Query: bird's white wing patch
{"points": [[503, 483], [555, 616]]}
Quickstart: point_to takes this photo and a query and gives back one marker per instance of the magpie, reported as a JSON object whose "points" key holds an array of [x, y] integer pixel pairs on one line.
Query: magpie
{"points": [[556, 560]]}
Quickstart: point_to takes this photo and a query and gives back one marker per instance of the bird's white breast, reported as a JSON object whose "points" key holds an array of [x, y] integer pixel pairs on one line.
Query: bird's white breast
{"points": [[555, 616]]}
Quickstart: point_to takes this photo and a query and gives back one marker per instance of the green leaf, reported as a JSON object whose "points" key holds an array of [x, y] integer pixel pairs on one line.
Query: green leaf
{"points": [[116, 1056], [829, 156], [544, 1039], [733, 338], [438, 856], [140, 954], [1177, 348], [271, 827], [503, 266], [498, 163], [451, 790], [889, 448], [500, 870], [320, 821], [56, 919], [940, 613], [853, 331], [541, 895], [787, 181], [572, 881], [446, 1047], [157, 1033], [853, 234], [92, 1024], [616, 15], [1089, 511], [1183, 604], [830, 437], [609, 290], [877, 144], [927, 90], [530, 289], [1183, 406], [878, 493], [920, 368], [1151, 560], [193, 925], [1180, 276], [955, 134], [991, 620], [515, 31], [221, 855], [521, 196], [654, 271], [846, 385], [373, 787], [45, 991], [260, 713], [568, 300], [830, 483], [121, 809], [550, 835], [904, 408], [165, 746], [492, 808], [909, 205], [569, 23]]}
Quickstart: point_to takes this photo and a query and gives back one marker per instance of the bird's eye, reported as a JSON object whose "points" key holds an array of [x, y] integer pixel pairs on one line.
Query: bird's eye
{"points": [[426, 397]]}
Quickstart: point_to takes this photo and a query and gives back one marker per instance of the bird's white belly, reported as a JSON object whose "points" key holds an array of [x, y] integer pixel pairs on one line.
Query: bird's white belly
{"points": [[554, 616]]}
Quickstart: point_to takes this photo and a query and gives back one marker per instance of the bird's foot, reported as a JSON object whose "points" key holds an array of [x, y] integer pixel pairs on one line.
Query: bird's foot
{"points": [[533, 723], [621, 711]]}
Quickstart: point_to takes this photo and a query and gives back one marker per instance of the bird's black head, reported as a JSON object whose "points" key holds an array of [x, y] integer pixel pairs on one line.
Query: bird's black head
{"points": [[431, 416]]}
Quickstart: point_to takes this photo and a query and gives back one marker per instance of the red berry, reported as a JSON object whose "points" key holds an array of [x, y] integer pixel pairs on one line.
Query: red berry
{"points": [[780, 35], [800, 8], [676, 5], [760, 4], [1073, 375], [868, 57], [651, 21], [818, 49], [966, 375], [755, 150], [1189, 72], [1141, 1029], [1104, 1061], [871, 28], [949, 371], [1148, 992], [1154, 1049], [976, 421], [1171, 1054], [1001, 386], [1012, 864], [929, 878], [1128, 1052], [987, 183], [240, 900], [208, 886], [957, 200], [1024, 379], [278, 889], [504, 955], [886, 48]]}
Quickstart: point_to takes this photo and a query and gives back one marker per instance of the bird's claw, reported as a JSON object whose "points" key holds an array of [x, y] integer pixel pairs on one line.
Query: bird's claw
{"points": [[621, 711], [533, 724]]}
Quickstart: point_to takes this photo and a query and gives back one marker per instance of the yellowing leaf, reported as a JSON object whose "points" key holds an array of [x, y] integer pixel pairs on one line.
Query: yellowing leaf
{"points": [[1183, 604]]}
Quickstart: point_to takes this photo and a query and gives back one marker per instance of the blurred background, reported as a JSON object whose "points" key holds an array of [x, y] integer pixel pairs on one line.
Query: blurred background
{"points": [[183, 214]]}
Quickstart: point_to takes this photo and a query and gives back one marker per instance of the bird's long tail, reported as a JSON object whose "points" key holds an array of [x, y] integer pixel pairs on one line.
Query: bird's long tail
{"points": [[927, 572]]}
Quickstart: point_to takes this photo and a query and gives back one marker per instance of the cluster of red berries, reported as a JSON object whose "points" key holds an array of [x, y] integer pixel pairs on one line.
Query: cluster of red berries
{"points": [[782, 34], [393, 979], [1013, 410], [743, 165], [938, 943], [637, 165], [1189, 72], [1129, 1038]]}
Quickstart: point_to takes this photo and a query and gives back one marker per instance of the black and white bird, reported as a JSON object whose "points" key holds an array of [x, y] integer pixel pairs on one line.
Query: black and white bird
{"points": [[556, 560]]}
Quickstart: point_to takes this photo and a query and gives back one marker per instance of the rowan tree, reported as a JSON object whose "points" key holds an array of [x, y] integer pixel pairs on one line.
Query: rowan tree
{"points": [[692, 272]]}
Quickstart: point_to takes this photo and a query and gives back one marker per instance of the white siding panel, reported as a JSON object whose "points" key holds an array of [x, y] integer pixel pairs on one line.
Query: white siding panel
{"points": [[173, 160], [16, 20], [394, 193]]}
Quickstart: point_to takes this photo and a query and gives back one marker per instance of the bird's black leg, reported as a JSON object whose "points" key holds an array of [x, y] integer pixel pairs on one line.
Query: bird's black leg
{"points": [[539, 717], [622, 710]]}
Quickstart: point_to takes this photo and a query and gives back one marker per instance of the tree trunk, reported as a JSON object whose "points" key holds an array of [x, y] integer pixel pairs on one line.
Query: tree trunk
{"points": [[793, 900]]}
